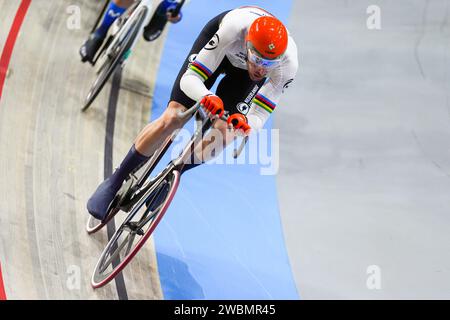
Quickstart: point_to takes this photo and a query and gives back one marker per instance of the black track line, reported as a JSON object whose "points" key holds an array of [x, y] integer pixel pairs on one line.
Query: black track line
{"points": [[108, 165]]}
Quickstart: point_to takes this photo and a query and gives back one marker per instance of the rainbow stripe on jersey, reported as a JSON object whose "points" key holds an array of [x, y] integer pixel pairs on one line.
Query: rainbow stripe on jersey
{"points": [[201, 70], [264, 103]]}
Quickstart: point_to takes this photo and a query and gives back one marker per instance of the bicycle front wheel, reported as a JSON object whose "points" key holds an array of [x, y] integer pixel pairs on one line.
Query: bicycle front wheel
{"points": [[115, 56], [135, 230]]}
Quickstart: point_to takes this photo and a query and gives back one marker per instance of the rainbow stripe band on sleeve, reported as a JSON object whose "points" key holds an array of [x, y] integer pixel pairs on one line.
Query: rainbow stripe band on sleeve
{"points": [[200, 69], [264, 103]]}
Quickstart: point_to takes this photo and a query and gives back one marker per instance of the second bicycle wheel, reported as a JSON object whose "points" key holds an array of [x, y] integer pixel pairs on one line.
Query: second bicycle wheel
{"points": [[115, 56], [135, 230]]}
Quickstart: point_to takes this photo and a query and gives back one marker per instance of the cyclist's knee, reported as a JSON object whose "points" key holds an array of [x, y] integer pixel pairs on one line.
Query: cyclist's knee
{"points": [[170, 117]]}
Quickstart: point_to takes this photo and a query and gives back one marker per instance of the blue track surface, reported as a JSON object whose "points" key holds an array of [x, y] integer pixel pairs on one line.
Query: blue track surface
{"points": [[206, 248]]}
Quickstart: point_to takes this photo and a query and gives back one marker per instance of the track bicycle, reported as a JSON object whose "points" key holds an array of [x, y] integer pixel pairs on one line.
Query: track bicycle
{"points": [[120, 41], [146, 200]]}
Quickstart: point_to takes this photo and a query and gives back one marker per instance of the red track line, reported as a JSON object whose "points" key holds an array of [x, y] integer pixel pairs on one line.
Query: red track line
{"points": [[10, 42], [4, 65], [2, 288]]}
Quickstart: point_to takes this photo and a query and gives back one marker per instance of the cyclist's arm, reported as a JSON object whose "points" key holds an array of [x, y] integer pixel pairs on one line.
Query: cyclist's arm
{"points": [[265, 102], [206, 62]]}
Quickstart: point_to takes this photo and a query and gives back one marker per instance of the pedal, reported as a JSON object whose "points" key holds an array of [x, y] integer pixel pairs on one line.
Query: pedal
{"points": [[126, 192]]}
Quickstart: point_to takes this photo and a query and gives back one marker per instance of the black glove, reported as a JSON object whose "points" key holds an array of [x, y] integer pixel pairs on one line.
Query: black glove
{"points": [[156, 25]]}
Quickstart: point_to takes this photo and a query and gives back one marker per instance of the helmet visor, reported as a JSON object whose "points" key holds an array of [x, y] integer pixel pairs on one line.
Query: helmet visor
{"points": [[256, 58]]}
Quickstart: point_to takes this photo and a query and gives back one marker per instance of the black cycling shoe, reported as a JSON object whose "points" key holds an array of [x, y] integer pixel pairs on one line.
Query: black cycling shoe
{"points": [[99, 202], [89, 49], [155, 27]]}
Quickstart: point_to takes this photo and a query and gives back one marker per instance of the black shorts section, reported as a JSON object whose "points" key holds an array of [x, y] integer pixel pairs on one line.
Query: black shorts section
{"points": [[236, 89]]}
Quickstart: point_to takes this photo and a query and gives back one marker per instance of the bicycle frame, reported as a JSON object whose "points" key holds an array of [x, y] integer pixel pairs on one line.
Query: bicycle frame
{"points": [[148, 195], [149, 187], [203, 123]]}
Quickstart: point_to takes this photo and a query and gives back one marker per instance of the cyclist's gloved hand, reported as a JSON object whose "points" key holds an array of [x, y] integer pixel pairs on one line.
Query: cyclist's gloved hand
{"points": [[213, 104], [239, 122]]}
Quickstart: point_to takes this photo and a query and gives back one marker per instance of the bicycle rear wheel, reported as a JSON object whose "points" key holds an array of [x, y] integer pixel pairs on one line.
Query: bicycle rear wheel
{"points": [[115, 56], [135, 230]]}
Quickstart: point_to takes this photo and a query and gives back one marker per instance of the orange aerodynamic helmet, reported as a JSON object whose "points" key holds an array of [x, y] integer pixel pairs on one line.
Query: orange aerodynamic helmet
{"points": [[268, 36]]}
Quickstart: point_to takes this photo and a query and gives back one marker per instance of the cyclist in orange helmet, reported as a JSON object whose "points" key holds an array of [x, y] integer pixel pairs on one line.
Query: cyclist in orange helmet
{"points": [[259, 59], [267, 41]]}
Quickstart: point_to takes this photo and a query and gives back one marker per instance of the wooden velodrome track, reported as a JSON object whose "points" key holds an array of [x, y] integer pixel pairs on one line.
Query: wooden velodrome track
{"points": [[53, 156], [364, 163]]}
